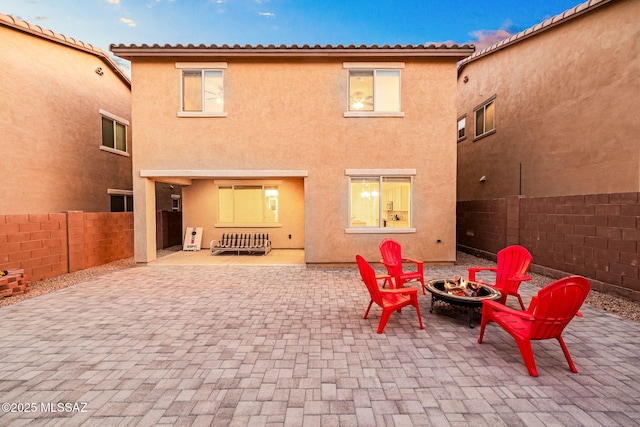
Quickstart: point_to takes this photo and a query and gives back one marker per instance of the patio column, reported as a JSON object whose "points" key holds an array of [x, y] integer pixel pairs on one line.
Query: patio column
{"points": [[144, 217]]}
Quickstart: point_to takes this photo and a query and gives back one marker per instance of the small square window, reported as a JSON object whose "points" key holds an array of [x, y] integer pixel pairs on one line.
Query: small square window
{"points": [[175, 202], [462, 128]]}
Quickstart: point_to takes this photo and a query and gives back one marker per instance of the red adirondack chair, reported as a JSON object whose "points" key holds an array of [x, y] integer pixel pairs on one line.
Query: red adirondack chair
{"points": [[389, 300], [549, 313], [512, 266], [392, 259]]}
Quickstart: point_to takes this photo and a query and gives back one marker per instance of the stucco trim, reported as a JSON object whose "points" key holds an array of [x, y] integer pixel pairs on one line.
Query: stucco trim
{"points": [[365, 114], [120, 192], [210, 173], [222, 182], [200, 114], [380, 172], [201, 65], [368, 65], [379, 230], [113, 116], [114, 151]]}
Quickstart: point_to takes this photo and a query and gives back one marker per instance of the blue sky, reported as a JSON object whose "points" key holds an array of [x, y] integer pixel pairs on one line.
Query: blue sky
{"points": [[103, 22]]}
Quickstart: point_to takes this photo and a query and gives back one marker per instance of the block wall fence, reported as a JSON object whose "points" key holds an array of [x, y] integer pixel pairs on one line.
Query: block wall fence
{"points": [[596, 236], [48, 245]]}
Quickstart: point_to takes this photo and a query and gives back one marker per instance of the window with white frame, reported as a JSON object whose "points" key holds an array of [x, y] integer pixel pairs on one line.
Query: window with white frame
{"points": [[175, 202], [380, 202], [485, 118], [114, 132], [248, 205], [374, 90], [201, 89], [121, 200], [462, 128]]}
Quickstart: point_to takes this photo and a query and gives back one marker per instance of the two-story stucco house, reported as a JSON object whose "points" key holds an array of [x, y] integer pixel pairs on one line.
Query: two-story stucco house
{"points": [[65, 124], [326, 148], [551, 110]]}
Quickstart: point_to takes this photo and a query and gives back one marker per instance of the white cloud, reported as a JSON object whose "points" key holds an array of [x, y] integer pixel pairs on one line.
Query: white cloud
{"points": [[128, 21], [485, 38], [113, 1], [267, 14]]}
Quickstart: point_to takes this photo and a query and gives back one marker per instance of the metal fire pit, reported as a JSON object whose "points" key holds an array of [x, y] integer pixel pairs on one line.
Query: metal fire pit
{"points": [[440, 294]]}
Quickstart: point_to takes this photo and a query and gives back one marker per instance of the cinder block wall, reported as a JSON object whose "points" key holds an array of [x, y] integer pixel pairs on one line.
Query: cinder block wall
{"points": [[48, 245], [596, 236], [108, 237], [35, 243], [482, 224]]}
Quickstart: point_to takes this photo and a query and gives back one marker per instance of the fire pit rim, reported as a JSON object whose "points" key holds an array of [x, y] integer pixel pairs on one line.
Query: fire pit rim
{"points": [[493, 294]]}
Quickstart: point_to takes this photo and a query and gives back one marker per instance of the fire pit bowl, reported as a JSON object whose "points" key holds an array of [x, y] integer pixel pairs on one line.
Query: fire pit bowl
{"points": [[452, 292]]}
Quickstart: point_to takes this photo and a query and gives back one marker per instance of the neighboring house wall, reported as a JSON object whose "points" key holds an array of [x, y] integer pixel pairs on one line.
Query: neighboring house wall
{"points": [[566, 99], [168, 197], [53, 91], [285, 123], [560, 171]]}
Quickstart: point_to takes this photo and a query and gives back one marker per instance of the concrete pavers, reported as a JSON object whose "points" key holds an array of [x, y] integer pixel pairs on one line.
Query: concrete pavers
{"points": [[287, 346]]}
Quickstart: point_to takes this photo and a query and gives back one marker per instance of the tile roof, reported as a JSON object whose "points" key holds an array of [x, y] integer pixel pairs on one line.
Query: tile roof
{"points": [[20, 25], [536, 29], [421, 50]]}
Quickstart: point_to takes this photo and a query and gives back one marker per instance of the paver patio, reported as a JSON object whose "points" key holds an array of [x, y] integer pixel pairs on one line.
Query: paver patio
{"points": [[237, 345]]}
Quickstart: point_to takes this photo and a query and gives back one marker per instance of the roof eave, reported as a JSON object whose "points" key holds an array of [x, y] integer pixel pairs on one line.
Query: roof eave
{"points": [[130, 52]]}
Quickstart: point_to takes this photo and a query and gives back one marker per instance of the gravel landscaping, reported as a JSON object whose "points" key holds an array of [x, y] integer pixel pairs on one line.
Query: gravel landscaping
{"points": [[613, 304]]}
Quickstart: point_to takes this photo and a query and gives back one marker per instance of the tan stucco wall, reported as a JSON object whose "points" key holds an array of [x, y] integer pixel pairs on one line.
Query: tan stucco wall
{"points": [[51, 127], [566, 106], [289, 115]]}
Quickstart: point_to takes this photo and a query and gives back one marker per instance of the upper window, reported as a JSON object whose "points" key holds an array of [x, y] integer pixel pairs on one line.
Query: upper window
{"points": [[114, 132], [485, 118], [380, 202], [374, 89], [202, 89], [247, 205], [462, 128]]}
